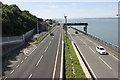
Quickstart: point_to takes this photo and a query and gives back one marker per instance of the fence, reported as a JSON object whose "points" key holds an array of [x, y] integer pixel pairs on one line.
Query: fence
{"points": [[114, 47]]}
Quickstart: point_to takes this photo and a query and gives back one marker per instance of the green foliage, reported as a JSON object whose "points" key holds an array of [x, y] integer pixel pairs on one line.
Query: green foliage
{"points": [[69, 51], [16, 22]]}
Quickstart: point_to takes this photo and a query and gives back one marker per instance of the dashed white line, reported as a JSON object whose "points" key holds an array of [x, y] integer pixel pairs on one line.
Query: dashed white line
{"points": [[49, 42], [21, 61], [39, 60], [82, 41], [105, 63], [17, 66], [114, 56], [46, 49], [11, 71], [25, 57], [91, 49], [5, 78], [29, 76]]}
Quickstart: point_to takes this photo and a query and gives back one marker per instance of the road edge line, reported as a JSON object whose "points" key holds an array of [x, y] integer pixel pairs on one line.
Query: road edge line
{"points": [[90, 70], [61, 68]]}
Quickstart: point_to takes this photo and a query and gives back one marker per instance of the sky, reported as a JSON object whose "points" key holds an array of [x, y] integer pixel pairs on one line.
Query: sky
{"points": [[79, 9]]}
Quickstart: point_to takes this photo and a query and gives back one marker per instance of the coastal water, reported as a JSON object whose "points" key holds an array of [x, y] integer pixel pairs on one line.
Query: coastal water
{"points": [[103, 28]]}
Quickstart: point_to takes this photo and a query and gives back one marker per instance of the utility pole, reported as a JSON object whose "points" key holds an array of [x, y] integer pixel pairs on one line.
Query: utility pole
{"points": [[37, 28], [65, 25]]}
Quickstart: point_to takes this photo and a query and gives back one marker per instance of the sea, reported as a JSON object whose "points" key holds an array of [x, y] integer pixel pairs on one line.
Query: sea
{"points": [[105, 29]]}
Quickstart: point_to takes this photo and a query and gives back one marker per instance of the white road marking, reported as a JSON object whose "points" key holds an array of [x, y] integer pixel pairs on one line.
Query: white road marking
{"points": [[114, 56], [39, 60], [82, 41], [21, 61], [91, 49], [29, 76], [31, 52], [46, 49], [11, 71], [90, 41], [5, 78], [105, 63], [52, 38], [49, 42], [17, 66], [84, 59], [61, 68], [56, 59], [25, 57]]}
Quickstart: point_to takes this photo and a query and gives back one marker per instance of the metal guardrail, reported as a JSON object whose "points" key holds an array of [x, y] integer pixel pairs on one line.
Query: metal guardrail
{"points": [[114, 47]]}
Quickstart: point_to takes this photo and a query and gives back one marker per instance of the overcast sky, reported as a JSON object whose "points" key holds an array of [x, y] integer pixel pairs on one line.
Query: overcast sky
{"points": [[76, 9]]}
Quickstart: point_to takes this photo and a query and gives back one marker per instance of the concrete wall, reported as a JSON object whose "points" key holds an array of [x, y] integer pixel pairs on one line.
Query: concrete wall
{"points": [[12, 43]]}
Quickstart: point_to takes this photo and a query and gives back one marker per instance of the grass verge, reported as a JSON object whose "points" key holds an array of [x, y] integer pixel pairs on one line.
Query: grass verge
{"points": [[73, 68], [43, 36]]}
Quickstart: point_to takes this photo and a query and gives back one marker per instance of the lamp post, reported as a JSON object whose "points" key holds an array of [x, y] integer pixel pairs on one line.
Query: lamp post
{"points": [[65, 25]]}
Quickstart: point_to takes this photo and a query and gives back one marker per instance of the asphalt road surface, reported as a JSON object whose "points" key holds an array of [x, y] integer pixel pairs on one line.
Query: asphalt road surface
{"points": [[102, 66], [43, 62]]}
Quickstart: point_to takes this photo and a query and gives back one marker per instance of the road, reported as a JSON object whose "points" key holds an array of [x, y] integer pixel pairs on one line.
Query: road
{"points": [[43, 62], [102, 66]]}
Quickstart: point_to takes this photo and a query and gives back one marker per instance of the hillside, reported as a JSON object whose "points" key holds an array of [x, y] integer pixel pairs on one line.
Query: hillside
{"points": [[16, 22]]}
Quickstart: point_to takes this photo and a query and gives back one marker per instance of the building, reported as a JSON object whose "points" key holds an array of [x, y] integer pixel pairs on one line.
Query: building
{"points": [[42, 26]]}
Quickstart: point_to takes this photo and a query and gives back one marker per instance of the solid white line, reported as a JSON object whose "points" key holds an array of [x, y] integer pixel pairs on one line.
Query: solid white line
{"points": [[85, 60], [105, 63], [29, 76], [17, 66], [46, 49], [39, 60], [61, 68], [49, 42], [56, 58], [25, 57], [11, 71], [21, 61], [91, 49]]}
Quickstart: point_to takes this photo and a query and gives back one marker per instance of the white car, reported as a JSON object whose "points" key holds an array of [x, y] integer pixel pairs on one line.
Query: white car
{"points": [[101, 50]]}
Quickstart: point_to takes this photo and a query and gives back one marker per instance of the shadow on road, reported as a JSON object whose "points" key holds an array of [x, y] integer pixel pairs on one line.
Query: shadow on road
{"points": [[12, 56]]}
